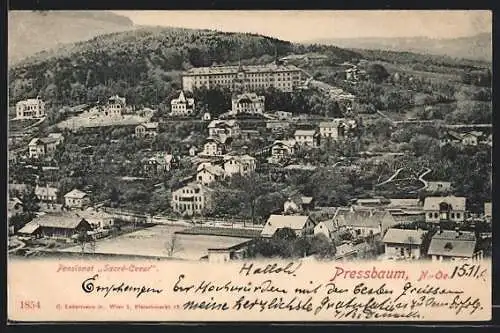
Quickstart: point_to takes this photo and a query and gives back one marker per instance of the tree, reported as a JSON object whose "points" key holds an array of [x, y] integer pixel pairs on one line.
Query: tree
{"points": [[285, 234], [172, 246], [377, 73], [252, 186], [85, 240], [323, 247]]}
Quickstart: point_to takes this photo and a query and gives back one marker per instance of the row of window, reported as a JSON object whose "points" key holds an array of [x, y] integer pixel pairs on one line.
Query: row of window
{"points": [[183, 207], [452, 215]]}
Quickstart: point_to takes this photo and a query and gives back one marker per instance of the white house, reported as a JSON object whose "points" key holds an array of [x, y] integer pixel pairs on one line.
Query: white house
{"points": [[333, 130], [59, 137], [46, 193], [444, 208], [30, 109], [306, 138], [224, 129], [206, 174], [213, 147], [115, 106], [282, 149], [247, 103], [403, 243], [449, 245], [363, 222], [471, 138], [239, 164], [42, 147], [182, 106], [192, 199], [300, 224], [146, 130], [76, 199]]}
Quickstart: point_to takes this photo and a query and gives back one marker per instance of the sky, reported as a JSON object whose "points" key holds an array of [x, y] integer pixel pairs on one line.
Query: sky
{"points": [[299, 26]]}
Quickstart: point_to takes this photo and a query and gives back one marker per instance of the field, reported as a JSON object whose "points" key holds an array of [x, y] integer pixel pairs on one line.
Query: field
{"points": [[91, 120], [156, 240]]}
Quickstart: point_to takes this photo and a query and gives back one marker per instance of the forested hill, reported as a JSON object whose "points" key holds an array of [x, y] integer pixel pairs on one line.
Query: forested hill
{"points": [[477, 47], [34, 31], [143, 64]]}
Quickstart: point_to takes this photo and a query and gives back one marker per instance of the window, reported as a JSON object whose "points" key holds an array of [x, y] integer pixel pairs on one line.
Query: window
{"points": [[435, 215], [452, 215], [458, 215]]}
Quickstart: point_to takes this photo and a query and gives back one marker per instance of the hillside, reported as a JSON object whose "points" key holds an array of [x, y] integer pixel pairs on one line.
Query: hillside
{"points": [[478, 47], [142, 64], [33, 31]]}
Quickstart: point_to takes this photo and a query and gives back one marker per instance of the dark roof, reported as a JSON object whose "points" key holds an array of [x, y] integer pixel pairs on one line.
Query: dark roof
{"points": [[64, 220], [453, 244], [219, 231]]}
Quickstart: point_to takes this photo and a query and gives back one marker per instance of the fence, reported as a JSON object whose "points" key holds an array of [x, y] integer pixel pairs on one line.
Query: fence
{"points": [[134, 217]]}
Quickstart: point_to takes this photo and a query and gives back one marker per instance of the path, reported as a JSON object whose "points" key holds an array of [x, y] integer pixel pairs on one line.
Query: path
{"points": [[391, 178], [421, 178]]}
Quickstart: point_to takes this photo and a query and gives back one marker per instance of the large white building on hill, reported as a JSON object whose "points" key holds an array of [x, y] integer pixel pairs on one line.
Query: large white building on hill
{"points": [[243, 78]]}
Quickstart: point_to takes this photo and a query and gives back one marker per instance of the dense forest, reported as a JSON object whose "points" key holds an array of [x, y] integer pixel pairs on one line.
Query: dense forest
{"points": [[143, 65]]}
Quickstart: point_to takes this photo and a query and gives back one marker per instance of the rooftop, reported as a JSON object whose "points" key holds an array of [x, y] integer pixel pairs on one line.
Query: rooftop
{"points": [[75, 193], [456, 203], [64, 220], [305, 132], [453, 244], [404, 236], [275, 222], [270, 68]]}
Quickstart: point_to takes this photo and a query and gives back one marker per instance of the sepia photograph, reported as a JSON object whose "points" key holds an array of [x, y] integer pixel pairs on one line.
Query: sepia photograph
{"points": [[210, 138]]}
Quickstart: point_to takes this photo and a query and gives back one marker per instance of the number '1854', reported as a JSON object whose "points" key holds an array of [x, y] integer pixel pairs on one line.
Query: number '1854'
{"points": [[30, 305]]}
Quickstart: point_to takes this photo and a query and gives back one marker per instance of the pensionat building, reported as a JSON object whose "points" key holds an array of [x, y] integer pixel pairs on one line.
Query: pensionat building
{"points": [[243, 78]]}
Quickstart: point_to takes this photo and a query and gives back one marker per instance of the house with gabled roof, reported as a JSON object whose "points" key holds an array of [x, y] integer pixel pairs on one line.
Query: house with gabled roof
{"points": [[471, 138], [208, 173], [224, 129], [449, 245], [76, 199], [308, 138], [61, 225], [182, 106], [363, 222], [192, 199], [282, 149], [333, 130], [46, 193], [247, 103], [298, 203], [42, 147], [451, 137], [403, 243], [146, 130], [301, 224], [239, 164], [213, 147], [449, 208]]}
